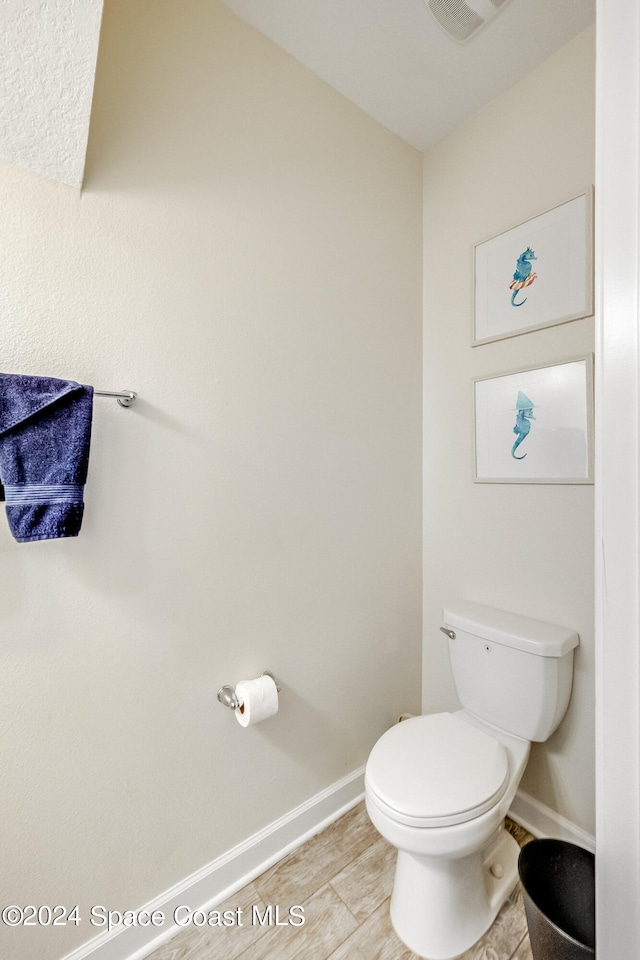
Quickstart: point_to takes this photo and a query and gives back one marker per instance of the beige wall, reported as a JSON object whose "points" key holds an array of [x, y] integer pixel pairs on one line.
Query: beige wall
{"points": [[246, 254], [527, 548]]}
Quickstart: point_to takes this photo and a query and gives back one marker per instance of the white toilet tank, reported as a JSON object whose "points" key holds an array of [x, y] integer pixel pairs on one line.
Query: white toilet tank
{"points": [[512, 671]]}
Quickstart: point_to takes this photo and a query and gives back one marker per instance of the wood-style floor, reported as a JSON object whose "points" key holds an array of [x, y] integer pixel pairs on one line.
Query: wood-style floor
{"points": [[342, 878]]}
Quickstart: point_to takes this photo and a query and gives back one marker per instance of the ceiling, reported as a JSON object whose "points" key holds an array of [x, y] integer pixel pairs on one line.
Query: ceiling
{"points": [[393, 60], [48, 51], [389, 57]]}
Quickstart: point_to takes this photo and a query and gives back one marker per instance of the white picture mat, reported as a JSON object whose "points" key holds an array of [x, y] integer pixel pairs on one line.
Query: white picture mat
{"points": [[558, 446], [561, 239]]}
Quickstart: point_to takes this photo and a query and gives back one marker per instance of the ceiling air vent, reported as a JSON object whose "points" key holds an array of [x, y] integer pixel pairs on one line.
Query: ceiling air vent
{"points": [[460, 19]]}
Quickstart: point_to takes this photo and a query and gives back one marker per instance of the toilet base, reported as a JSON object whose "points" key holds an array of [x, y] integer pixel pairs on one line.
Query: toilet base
{"points": [[440, 908]]}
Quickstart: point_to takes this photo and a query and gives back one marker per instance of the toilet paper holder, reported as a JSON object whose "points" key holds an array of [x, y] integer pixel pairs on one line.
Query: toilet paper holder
{"points": [[228, 697]]}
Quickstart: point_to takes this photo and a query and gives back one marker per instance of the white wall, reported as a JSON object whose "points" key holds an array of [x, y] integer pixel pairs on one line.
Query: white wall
{"points": [[617, 479], [527, 548], [246, 254]]}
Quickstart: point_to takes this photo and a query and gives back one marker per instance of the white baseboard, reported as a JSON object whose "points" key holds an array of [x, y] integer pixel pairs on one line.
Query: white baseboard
{"points": [[227, 874], [544, 822]]}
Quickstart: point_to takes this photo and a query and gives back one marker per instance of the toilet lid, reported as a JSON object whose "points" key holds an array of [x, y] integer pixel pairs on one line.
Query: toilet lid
{"points": [[436, 770]]}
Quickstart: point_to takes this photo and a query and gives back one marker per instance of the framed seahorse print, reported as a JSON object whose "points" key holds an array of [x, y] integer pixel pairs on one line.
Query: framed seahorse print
{"points": [[536, 426], [537, 274]]}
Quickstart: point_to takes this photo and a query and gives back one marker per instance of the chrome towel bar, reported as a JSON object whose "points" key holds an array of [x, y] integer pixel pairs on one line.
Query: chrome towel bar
{"points": [[124, 397]]}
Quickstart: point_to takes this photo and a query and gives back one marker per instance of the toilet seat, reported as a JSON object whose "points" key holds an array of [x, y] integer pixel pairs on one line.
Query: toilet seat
{"points": [[436, 770]]}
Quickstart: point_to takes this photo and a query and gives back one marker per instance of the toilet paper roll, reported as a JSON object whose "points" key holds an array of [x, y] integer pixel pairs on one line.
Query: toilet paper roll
{"points": [[258, 699]]}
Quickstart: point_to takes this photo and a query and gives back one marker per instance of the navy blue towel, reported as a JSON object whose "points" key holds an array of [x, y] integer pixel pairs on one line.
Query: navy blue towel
{"points": [[45, 430]]}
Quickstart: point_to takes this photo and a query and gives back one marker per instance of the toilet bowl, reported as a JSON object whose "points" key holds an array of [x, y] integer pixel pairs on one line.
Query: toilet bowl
{"points": [[445, 816], [438, 787]]}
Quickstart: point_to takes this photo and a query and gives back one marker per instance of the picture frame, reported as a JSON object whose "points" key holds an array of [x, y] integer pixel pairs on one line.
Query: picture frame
{"points": [[536, 425], [537, 274]]}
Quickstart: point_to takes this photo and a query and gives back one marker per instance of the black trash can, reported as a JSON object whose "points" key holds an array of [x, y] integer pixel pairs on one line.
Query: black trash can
{"points": [[559, 898]]}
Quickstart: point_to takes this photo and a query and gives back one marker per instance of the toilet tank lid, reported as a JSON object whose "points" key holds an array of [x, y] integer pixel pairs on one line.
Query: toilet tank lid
{"points": [[510, 629]]}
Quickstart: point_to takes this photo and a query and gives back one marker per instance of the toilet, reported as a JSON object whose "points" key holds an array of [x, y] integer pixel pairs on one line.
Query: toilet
{"points": [[438, 787]]}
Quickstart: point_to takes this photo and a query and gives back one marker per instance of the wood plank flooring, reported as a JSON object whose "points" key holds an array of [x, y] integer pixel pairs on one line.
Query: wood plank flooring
{"points": [[342, 878]]}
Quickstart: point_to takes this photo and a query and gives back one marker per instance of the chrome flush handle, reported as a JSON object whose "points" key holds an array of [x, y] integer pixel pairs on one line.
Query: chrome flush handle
{"points": [[450, 633]]}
